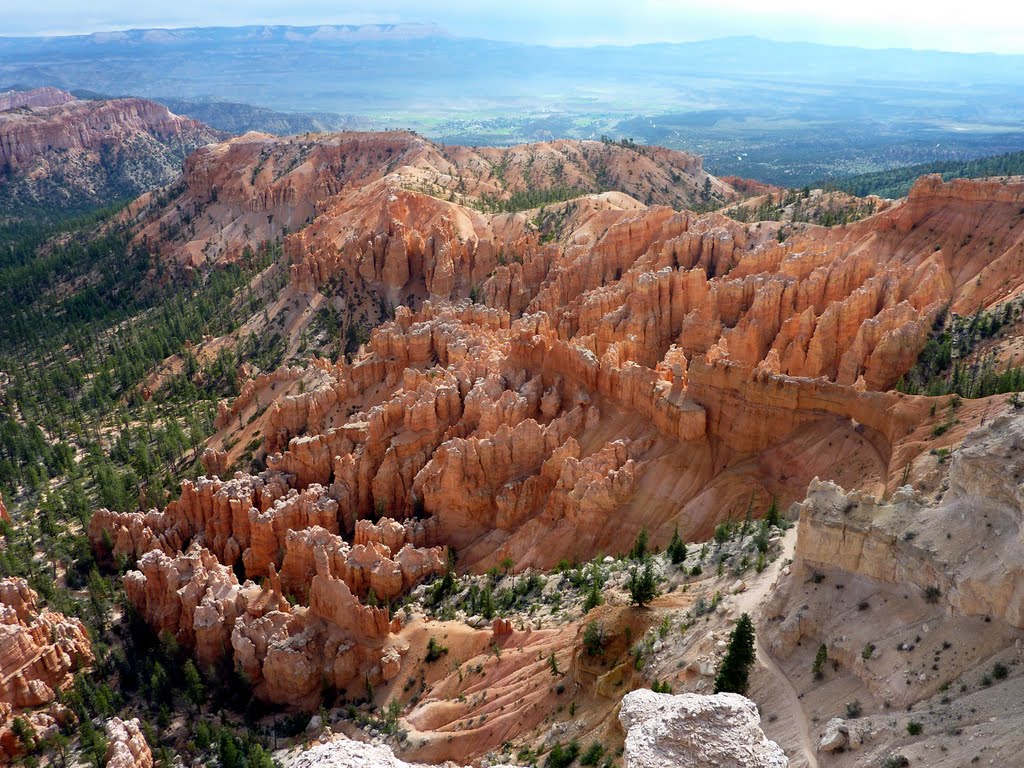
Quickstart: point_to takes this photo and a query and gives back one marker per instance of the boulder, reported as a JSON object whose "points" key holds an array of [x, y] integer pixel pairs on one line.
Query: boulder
{"points": [[718, 731]]}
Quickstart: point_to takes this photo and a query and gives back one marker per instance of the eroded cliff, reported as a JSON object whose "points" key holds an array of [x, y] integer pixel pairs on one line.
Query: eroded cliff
{"points": [[548, 382]]}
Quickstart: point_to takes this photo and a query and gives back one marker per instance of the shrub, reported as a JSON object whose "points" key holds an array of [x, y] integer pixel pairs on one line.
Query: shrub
{"points": [[434, 651], [868, 651], [914, 728], [593, 754], [853, 709], [723, 531], [761, 541], [594, 639], [562, 757], [1000, 671], [819, 661]]}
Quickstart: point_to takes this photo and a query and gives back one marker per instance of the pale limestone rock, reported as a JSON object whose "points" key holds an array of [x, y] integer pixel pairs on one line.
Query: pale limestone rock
{"points": [[342, 752], [834, 737], [718, 731]]}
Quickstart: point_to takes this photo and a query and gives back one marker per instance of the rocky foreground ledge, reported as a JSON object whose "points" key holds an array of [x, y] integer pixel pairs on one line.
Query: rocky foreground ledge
{"points": [[719, 731], [692, 730]]}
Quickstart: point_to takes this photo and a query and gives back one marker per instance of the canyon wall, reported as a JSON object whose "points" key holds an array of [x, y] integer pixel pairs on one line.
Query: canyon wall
{"points": [[70, 153]]}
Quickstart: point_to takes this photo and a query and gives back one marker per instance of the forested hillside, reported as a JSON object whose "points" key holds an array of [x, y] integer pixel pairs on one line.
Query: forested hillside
{"points": [[896, 182], [79, 428]]}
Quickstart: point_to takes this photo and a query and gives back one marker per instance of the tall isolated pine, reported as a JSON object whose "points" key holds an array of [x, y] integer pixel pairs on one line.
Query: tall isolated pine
{"points": [[732, 675], [772, 517]]}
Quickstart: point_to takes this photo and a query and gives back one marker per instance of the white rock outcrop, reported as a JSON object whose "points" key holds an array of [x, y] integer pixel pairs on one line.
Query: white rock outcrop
{"points": [[719, 731], [342, 752], [839, 735]]}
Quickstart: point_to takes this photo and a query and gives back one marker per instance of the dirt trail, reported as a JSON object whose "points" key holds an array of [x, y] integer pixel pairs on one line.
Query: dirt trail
{"points": [[750, 602], [788, 698]]}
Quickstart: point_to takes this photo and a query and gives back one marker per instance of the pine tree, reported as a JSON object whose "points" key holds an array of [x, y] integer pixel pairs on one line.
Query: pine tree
{"points": [[819, 661], [594, 597], [639, 550], [487, 602], [642, 584], [676, 548], [732, 675], [193, 684], [749, 516], [772, 518]]}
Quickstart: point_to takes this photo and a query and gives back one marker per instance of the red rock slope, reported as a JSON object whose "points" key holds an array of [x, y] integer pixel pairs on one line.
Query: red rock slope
{"points": [[58, 151]]}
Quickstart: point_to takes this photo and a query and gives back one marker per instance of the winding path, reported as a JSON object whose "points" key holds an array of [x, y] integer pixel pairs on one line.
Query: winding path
{"points": [[749, 602]]}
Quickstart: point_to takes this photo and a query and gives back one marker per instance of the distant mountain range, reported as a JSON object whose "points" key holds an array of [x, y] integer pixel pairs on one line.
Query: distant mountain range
{"points": [[234, 117], [788, 113]]}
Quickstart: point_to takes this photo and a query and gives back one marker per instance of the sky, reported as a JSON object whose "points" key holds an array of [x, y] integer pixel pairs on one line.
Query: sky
{"points": [[967, 26]]}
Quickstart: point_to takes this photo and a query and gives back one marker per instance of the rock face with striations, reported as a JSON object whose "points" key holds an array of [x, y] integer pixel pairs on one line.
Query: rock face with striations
{"points": [[920, 553], [719, 731], [36, 97], [39, 650]]}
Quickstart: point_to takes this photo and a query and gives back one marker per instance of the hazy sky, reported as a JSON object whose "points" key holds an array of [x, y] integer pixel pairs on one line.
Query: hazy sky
{"points": [[961, 25]]}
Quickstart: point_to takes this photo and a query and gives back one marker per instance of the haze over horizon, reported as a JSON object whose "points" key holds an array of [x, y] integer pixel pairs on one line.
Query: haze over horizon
{"points": [[984, 26]]}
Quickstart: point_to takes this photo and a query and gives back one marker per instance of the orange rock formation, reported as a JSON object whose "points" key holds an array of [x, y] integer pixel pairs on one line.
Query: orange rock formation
{"points": [[39, 650], [126, 745], [37, 97], [76, 126], [57, 151], [626, 365]]}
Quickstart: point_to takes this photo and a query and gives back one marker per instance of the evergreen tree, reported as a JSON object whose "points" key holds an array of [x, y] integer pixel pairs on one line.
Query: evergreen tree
{"points": [[819, 661], [772, 516], [642, 584], [228, 751], [594, 597], [639, 550], [193, 684], [749, 516], [676, 548], [487, 602], [732, 675]]}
